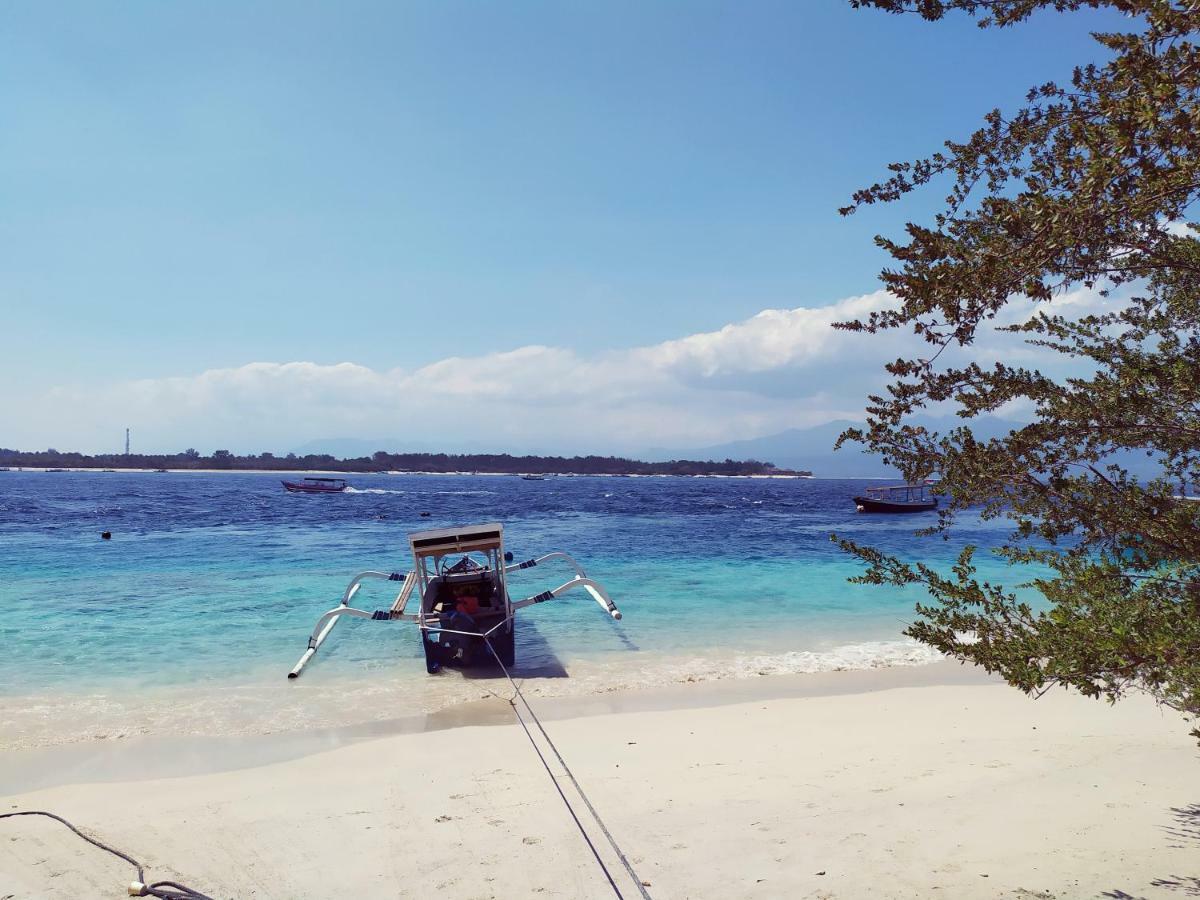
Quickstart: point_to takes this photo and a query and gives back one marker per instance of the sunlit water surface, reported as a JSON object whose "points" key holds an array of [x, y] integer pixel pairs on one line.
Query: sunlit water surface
{"points": [[189, 618]]}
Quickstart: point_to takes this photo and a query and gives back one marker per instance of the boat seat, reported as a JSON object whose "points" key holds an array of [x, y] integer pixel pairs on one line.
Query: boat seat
{"points": [[483, 590]]}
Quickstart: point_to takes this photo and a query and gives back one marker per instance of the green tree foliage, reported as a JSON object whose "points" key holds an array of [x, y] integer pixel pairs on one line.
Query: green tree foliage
{"points": [[1085, 186]]}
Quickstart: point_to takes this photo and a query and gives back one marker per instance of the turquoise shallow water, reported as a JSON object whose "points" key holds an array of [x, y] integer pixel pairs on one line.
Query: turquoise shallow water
{"points": [[189, 618]]}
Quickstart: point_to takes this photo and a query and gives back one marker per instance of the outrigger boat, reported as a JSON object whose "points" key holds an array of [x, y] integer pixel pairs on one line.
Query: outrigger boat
{"points": [[464, 613], [901, 498], [316, 486]]}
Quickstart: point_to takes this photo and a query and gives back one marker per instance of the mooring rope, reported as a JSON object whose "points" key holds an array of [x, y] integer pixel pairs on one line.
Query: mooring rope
{"points": [[641, 885], [166, 890]]}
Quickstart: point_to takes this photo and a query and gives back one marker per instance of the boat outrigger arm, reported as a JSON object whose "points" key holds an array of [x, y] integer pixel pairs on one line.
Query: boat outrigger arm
{"points": [[580, 580], [461, 605], [326, 622]]}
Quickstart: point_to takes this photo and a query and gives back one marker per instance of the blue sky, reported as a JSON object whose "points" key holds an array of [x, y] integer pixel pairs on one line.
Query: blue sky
{"points": [[192, 188]]}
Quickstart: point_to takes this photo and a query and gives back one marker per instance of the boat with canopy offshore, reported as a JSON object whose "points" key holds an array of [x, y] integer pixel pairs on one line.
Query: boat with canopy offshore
{"points": [[316, 486], [901, 498], [459, 591]]}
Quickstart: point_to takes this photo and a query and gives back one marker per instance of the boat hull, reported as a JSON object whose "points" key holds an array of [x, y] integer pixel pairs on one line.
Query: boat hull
{"points": [[464, 652], [871, 504], [294, 488]]}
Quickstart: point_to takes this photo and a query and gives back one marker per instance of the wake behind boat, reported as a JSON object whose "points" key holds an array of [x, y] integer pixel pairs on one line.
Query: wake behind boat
{"points": [[316, 486]]}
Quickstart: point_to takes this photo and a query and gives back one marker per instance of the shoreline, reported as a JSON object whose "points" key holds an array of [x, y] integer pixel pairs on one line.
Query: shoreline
{"points": [[174, 755], [53, 470], [883, 784], [260, 701]]}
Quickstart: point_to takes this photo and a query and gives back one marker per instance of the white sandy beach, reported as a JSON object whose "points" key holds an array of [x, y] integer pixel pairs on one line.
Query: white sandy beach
{"points": [[928, 782]]}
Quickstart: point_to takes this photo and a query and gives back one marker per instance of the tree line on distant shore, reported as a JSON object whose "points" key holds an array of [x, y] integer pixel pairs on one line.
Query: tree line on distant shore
{"points": [[384, 462]]}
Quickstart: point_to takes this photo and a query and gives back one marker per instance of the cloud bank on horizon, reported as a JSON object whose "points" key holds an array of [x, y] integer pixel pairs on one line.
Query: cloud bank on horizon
{"points": [[780, 369]]}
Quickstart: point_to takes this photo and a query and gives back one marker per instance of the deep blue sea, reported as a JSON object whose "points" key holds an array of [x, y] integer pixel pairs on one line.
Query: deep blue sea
{"points": [[190, 617]]}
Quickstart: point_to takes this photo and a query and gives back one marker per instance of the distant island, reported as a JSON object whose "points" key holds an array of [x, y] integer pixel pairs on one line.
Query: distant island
{"points": [[382, 461]]}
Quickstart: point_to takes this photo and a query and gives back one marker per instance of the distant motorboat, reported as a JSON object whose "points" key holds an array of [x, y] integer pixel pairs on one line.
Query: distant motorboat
{"points": [[900, 498], [534, 477], [157, 471], [316, 486], [56, 470]]}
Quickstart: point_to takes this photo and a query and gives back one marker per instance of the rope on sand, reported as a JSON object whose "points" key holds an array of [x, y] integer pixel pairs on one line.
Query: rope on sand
{"points": [[641, 885], [171, 890], [165, 890]]}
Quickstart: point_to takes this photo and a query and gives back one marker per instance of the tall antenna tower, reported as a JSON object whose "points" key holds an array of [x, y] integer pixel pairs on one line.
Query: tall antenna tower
{"points": [[126, 441]]}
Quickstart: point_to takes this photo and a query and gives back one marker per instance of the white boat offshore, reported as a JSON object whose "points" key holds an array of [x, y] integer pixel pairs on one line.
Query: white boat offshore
{"points": [[462, 607]]}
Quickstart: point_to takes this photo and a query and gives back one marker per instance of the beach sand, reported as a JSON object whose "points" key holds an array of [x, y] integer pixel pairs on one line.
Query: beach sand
{"points": [[928, 782]]}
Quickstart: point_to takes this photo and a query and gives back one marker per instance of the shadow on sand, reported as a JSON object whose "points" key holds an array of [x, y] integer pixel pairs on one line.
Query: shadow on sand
{"points": [[1183, 831], [534, 658]]}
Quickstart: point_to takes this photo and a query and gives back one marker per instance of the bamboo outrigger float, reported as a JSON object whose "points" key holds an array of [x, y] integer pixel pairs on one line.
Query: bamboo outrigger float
{"points": [[463, 608]]}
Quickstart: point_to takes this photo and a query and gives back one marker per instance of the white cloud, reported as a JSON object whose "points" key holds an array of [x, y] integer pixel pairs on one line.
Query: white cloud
{"points": [[782, 368], [773, 339]]}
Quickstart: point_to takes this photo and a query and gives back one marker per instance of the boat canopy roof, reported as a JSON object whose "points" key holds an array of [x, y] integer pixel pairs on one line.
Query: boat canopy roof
{"points": [[898, 489], [313, 478], [464, 539]]}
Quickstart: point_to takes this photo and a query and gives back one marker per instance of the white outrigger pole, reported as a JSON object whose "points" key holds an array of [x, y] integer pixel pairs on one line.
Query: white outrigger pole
{"points": [[580, 580], [460, 605], [326, 622]]}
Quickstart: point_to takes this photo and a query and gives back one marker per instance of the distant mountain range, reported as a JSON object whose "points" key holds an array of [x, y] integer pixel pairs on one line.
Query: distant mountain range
{"points": [[352, 448], [786, 450], [808, 449], [812, 449], [796, 448]]}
